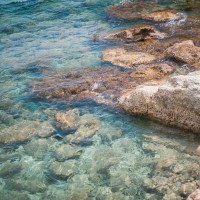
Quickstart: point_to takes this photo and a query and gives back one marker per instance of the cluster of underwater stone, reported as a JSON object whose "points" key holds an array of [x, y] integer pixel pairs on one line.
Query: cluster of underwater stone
{"points": [[105, 164], [94, 165]]}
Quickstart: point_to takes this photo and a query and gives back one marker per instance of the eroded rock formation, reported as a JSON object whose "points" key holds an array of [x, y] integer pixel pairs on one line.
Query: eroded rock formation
{"points": [[136, 33], [175, 102]]}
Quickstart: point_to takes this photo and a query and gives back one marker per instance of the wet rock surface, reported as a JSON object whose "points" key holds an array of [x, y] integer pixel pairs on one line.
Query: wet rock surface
{"points": [[174, 102], [163, 15], [185, 52], [103, 85], [125, 58], [136, 33], [130, 11], [153, 71]]}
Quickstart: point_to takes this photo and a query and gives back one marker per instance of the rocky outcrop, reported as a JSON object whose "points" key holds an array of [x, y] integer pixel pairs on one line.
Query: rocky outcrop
{"points": [[153, 71], [136, 33], [124, 58], [185, 52], [103, 85], [162, 15], [142, 10], [129, 10], [175, 102]]}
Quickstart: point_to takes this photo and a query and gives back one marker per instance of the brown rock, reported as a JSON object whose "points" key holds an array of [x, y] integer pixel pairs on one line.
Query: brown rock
{"points": [[152, 72], [67, 119], [103, 84], [162, 15], [185, 52], [156, 48], [125, 58], [198, 151], [129, 10], [137, 33], [195, 195], [175, 102]]}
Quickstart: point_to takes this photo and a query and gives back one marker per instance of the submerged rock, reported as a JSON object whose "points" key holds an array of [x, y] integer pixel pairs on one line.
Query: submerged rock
{"points": [[25, 130], [5, 156], [6, 118], [100, 84], [10, 169], [166, 162], [137, 33], [80, 187], [187, 188], [67, 119], [172, 196], [104, 84], [124, 58], [185, 52], [63, 170], [87, 127], [65, 152], [24, 185], [37, 148], [162, 15], [175, 102], [110, 133], [10, 194]]}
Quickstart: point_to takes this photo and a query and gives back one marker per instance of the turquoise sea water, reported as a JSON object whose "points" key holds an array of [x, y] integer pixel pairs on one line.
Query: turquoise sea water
{"points": [[37, 37]]}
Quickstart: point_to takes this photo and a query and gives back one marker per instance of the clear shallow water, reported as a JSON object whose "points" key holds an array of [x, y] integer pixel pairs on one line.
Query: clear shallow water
{"points": [[36, 37]]}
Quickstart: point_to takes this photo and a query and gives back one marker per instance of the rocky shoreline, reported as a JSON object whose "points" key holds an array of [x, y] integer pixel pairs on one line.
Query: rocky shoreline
{"points": [[149, 57], [152, 72]]}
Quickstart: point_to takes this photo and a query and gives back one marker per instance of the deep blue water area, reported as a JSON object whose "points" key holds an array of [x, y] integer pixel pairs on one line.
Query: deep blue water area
{"points": [[41, 36]]}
